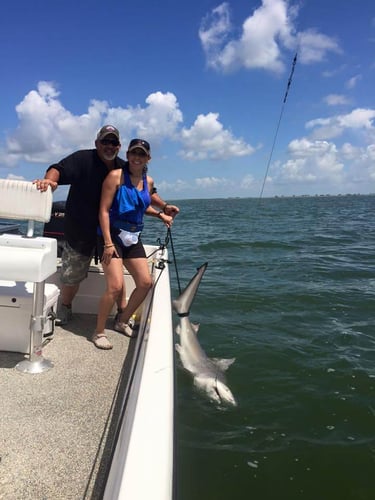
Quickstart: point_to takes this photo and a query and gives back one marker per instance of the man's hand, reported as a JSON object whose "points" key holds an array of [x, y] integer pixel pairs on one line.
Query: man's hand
{"points": [[42, 184]]}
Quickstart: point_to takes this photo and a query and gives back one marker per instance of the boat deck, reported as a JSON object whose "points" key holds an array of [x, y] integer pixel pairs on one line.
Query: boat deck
{"points": [[56, 427]]}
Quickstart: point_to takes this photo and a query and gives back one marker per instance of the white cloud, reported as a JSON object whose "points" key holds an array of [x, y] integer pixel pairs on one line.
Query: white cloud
{"points": [[332, 72], [160, 119], [207, 139], [359, 119], [248, 182], [361, 168], [362, 162], [47, 131], [352, 82], [178, 186], [336, 100], [322, 167], [210, 182], [215, 28], [312, 161], [314, 46], [16, 177], [266, 33], [350, 152]]}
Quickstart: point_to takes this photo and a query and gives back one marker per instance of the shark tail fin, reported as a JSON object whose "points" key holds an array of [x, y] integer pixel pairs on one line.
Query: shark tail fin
{"points": [[182, 304]]}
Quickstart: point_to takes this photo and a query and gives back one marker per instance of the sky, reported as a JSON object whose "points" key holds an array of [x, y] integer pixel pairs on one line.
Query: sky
{"points": [[211, 85]]}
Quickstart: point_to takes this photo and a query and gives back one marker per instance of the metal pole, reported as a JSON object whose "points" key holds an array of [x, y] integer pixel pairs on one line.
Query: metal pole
{"points": [[36, 363]]}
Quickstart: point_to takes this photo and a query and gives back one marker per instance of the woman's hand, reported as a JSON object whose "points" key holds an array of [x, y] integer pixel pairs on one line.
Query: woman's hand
{"points": [[167, 219], [108, 254], [171, 210]]}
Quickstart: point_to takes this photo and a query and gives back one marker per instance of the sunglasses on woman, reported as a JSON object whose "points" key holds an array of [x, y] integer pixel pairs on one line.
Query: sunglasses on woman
{"points": [[140, 153]]}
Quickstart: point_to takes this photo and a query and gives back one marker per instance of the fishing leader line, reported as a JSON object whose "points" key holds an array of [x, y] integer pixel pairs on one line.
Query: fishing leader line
{"points": [[260, 197], [278, 125], [169, 232]]}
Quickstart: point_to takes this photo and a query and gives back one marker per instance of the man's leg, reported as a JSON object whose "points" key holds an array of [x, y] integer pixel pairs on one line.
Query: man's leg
{"points": [[74, 268]]}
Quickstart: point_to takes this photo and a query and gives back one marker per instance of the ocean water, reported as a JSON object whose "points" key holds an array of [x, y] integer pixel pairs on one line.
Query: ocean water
{"points": [[290, 293]]}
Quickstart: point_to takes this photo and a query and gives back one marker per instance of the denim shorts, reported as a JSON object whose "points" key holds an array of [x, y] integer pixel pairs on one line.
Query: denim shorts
{"points": [[74, 265]]}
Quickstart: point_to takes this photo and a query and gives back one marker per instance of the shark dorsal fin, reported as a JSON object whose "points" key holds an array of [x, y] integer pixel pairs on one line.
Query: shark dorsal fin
{"points": [[223, 364]]}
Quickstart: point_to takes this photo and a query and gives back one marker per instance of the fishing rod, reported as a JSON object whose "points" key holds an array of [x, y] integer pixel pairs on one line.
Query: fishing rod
{"points": [[162, 245]]}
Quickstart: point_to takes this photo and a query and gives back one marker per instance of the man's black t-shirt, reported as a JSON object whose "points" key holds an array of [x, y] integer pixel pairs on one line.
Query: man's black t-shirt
{"points": [[85, 172]]}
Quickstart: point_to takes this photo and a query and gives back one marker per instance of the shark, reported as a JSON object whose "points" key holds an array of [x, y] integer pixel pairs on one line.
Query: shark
{"points": [[208, 373]]}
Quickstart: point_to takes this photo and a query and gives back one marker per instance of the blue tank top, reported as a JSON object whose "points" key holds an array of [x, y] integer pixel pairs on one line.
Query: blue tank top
{"points": [[129, 205]]}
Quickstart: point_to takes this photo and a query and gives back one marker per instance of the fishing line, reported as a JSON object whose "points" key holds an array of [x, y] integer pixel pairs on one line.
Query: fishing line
{"points": [[168, 239], [174, 260], [278, 125], [260, 197]]}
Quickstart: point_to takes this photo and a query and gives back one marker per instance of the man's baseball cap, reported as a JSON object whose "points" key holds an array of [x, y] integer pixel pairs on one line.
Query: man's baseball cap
{"points": [[139, 144], [107, 130]]}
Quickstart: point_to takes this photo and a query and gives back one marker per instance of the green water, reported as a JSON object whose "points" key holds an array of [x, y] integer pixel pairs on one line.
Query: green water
{"points": [[290, 292]]}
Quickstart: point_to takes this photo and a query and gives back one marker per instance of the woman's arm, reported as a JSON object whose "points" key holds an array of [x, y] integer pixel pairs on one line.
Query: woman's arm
{"points": [[168, 212], [109, 188], [167, 208]]}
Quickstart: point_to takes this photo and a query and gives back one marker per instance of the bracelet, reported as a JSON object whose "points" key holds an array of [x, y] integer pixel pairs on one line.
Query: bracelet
{"points": [[165, 206], [109, 246], [159, 214]]}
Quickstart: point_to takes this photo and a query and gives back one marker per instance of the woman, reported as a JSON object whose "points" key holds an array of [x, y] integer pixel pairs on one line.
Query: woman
{"points": [[126, 196]]}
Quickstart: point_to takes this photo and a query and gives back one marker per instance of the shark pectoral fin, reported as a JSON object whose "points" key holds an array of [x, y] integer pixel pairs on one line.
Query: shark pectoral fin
{"points": [[223, 364], [195, 327]]}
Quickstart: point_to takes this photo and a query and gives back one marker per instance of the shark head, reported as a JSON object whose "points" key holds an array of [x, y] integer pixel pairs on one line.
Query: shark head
{"points": [[216, 390], [225, 393]]}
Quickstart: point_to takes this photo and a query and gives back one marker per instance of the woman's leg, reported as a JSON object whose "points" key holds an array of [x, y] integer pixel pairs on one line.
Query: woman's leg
{"points": [[114, 276], [138, 268]]}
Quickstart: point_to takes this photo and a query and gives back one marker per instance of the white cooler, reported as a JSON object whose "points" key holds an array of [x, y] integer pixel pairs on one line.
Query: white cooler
{"points": [[16, 303]]}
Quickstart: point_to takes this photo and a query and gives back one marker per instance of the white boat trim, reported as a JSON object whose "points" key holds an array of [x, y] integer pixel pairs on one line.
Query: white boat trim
{"points": [[145, 445]]}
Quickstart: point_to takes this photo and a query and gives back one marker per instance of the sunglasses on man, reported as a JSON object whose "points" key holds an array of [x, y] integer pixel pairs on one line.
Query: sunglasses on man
{"points": [[112, 142]]}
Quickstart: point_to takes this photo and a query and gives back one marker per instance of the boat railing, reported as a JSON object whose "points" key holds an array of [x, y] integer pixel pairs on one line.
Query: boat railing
{"points": [[144, 439]]}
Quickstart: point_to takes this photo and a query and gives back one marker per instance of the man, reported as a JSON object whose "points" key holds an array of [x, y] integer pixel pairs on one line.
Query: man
{"points": [[85, 171]]}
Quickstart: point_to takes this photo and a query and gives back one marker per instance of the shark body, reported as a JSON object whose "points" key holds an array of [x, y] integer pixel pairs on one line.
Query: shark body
{"points": [[208, 373]]}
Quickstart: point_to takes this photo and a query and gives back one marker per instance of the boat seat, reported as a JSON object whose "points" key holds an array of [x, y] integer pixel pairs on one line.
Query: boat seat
{"points": [[28, 258]]}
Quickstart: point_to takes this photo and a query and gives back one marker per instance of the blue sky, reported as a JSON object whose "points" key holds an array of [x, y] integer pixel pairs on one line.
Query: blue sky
{"points": [[204, 82]]}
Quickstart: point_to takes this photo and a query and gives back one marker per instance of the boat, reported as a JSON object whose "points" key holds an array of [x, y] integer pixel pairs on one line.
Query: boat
{"points": [[78, 422]]}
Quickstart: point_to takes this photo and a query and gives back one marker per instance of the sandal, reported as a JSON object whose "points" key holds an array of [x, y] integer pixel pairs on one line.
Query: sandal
{"points": [[125, 328], [101, 341]]}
